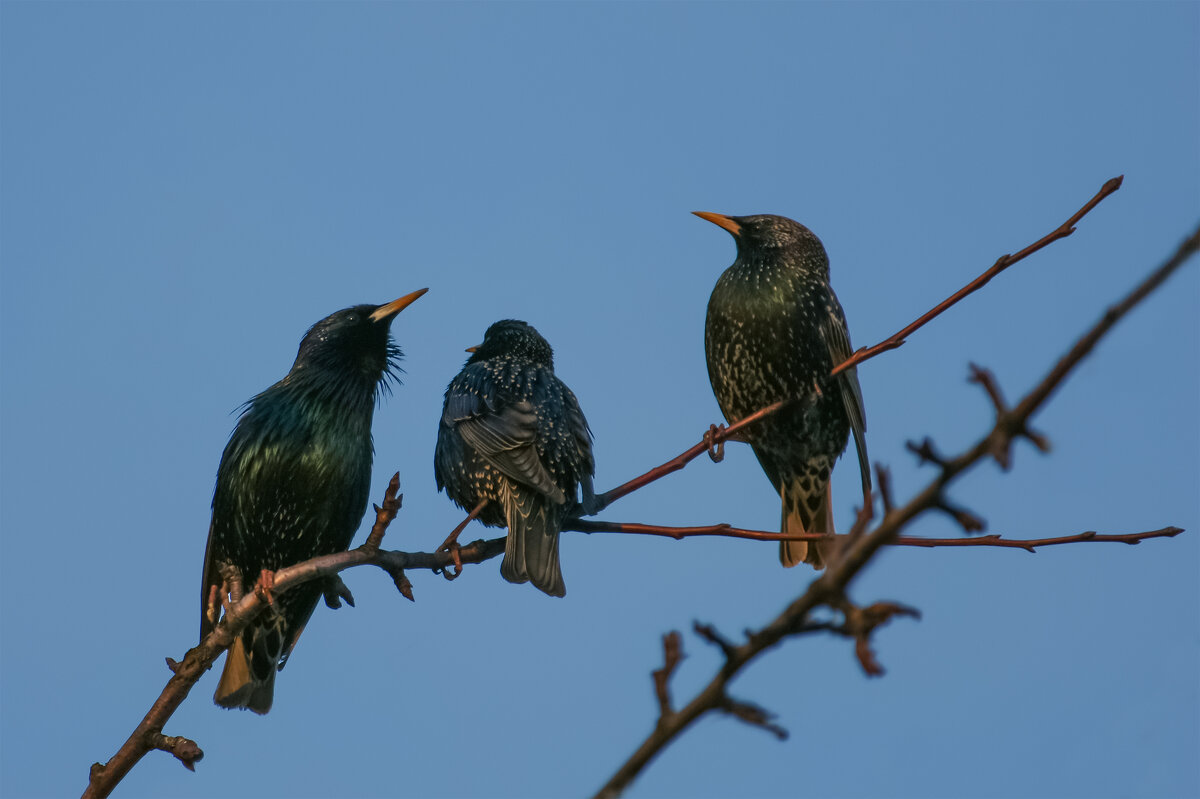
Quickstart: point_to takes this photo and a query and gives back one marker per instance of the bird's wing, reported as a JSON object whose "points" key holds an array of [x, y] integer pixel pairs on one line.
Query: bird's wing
{"points": [[207, 578], [833, 331], [504, 436], [580, 430]]}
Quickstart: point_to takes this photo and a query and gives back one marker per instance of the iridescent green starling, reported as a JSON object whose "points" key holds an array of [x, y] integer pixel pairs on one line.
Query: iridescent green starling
{"points": [[775, 330], [512, 435], [293, 484]]}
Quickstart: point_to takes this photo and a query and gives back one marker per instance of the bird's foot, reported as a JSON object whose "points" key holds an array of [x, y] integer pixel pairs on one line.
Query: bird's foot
{"points": [[452, 546], [716, 448], [335, 590], [264, 586]]}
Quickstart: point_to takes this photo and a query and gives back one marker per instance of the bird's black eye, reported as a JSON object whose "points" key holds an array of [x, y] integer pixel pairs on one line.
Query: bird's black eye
{"points": [[352, 319]]}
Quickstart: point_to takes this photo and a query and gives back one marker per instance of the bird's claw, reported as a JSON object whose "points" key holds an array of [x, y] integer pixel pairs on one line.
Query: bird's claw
{"points": [[452, 546], [264, 586], [335, 590], [716, 448], [455, 550]]}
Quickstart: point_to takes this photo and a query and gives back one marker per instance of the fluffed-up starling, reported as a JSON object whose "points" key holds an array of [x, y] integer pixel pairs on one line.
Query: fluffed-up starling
{"points": [[293, 484], [774, 331], [512, 436]]}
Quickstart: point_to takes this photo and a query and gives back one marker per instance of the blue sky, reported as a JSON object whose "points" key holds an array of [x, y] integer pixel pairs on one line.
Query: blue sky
{"points": [[186, 187]]}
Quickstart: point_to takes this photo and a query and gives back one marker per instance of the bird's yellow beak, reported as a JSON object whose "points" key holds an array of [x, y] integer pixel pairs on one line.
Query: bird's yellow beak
{"points": [[473, 349], [720, 221], [395, 306]]}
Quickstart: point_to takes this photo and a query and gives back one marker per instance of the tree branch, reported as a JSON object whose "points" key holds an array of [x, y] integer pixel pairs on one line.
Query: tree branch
{"points": [[829, 587], [148, 734], [856, 549], [1002, 263], [728, 531], [717, 435]]}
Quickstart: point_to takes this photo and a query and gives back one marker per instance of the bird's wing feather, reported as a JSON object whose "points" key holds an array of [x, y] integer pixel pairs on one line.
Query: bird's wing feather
{"points": [[504, 436], [833, 331], [580, 430], [207, 578]]}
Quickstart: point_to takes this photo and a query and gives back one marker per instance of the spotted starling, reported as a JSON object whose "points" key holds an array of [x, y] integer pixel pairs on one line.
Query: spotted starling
{"points": [[293, 484], [512, 435], [774, 331]]}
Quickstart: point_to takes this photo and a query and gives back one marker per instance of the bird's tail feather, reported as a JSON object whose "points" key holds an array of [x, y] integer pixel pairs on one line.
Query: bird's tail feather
{"points": [[797, 522], [531, 551], [248, 679]]}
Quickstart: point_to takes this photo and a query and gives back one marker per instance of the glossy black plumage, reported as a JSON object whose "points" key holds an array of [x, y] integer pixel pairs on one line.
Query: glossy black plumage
{"points": [[513, 434], [775, 330], [293, 484]]}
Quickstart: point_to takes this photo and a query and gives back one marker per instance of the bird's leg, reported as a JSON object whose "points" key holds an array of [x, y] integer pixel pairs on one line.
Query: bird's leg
{"points": [[591, 504], [214, 602], [716, 449], [451, 544], [264, 586], [335, 590]]}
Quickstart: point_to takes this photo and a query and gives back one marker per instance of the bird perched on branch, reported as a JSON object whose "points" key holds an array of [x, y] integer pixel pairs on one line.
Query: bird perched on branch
{"points": [[774, 331], [513, 446], [293, 484]]}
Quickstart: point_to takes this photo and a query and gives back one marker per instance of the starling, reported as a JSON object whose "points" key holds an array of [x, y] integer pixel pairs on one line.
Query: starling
{"points": [[293, 485], [514, 444], [774, 331]]}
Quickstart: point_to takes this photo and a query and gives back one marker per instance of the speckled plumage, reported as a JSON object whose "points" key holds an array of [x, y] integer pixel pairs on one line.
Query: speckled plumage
{"points": [[293, 484], [513, 434], [775, 330]]}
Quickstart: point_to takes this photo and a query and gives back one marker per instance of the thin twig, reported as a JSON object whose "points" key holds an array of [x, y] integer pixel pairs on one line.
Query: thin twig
{"points": [[715, 438], [728, 531], [712, 439], [1002, 263], [672, 655]]}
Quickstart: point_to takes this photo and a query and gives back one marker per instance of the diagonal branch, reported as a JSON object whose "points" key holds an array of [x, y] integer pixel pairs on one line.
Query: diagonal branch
{"points": [[1002, 263], [829, 587], [148, 734], [714, 440]]}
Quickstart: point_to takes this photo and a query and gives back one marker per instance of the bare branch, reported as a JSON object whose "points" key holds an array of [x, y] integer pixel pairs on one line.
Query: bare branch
{"points": [[727, 531], [714, 440], [672, 655], [829, 587], [182, 748], [716, 436], [1002, 263], [148, 734], [752, 714]]}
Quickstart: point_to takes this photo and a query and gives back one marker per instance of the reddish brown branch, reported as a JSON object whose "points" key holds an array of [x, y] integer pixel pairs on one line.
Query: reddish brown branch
{"points": [[829, 587], [728, 531], [1002, 263], [712, 439]]}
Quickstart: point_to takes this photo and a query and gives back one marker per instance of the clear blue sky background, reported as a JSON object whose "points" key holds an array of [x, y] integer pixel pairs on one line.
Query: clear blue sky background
{"points": [[186, 187]]}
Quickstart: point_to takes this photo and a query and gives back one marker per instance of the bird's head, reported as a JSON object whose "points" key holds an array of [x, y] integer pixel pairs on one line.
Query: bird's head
{"points": [[513, 338], [763, 231], [355, 340]]}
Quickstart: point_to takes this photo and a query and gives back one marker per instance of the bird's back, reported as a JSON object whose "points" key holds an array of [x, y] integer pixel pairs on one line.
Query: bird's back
{"points": [[501, 383]]}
